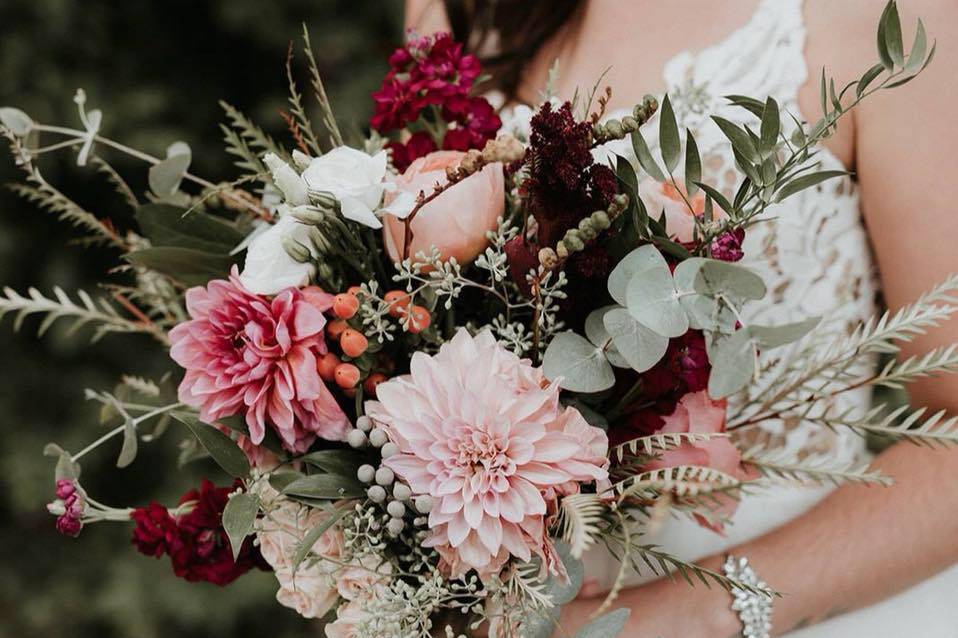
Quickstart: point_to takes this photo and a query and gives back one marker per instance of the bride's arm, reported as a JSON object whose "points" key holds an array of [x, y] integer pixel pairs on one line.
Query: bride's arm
{"points": [[863, 544]]}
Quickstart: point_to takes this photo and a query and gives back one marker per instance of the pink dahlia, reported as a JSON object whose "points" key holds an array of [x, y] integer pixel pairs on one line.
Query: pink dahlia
{"points": [[248, 354], [482, 432]]}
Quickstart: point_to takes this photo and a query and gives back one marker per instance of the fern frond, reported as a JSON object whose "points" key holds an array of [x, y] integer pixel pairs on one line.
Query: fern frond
{"points": [[329, 121], [655, 444], [526, 584], [935, 430], [681, 480], [88, 311], [119, 184], [580, 517], [46, 197], [247, 142], [662, 563], [297, 109], [897, 373], [779, 464]]}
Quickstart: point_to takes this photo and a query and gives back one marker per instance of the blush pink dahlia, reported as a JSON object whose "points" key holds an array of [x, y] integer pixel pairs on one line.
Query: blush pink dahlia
{"points": [[482, 432], [251, 355]]}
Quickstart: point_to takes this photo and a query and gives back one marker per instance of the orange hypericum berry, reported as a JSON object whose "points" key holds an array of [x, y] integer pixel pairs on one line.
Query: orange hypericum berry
{"points": [[353, 290], [335, 328], [353, 342], [373, 380], [326, 366], [347, 375], [398, 302], [419, 319], [349, 392], [345, 305]]}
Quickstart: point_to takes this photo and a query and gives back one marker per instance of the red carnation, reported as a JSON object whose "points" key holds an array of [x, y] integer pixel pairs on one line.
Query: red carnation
{"points": [[196, 542]]}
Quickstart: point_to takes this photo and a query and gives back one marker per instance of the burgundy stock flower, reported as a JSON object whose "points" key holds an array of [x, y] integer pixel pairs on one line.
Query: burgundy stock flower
{"points": [[728, 245], [196, 542]]}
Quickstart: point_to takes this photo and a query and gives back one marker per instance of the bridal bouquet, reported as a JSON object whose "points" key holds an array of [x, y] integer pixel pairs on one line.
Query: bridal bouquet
{"points": [[440, 363]]}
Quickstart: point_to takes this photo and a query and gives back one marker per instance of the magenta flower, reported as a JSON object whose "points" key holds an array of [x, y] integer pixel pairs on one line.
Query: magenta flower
{"points": [[482, 433], [251, 355]]}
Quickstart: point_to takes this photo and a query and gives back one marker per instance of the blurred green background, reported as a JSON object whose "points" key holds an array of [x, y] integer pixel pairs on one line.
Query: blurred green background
{"points": [[156, 69]]}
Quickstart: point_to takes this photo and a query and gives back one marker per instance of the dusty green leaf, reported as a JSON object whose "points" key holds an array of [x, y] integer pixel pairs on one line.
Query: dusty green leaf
{"points": [[806, 181], [222, 448], [66, 467], [314, 534], [187, 265], [238, 518], [669, 142], [325, 487], [165, 177], [166, 225], [644, 155], [693, 164]]}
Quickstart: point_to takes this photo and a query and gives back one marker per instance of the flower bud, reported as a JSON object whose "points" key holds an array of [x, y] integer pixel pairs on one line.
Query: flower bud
{"points": [[297, 251], [395, 526], [364, 423], [630, 124], [548, 258], [614, 129], [377, 493], [366, 473], [587, 229], [401, 491], [396, 509], [356, 438], [385, 476], [389, 449], [308, 215], [324, 199], [601, 219], [378, 437], [423, 503], [573, 241]]}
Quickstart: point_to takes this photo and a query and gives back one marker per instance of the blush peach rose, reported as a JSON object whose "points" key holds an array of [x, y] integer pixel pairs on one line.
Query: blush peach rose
{"points": [[456, 222], [679, 219]]}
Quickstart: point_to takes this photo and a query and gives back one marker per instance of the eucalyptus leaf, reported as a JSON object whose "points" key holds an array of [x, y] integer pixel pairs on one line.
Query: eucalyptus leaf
{"points": [[717, 279], [540, 623], [325, 487], [733, 363], [561, 591], [609, 625], [165, 177], [66, 467], [644, 155], [128, 449], [669, 142], [640, 259], [581, 365], [653, 302], [596, 333], [641, 347], [238, 518], [768, 337], [16, 120], [222, 448]]}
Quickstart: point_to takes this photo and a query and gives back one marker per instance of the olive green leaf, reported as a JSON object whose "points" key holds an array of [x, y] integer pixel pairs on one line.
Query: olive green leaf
{"points": [[238, 518], [222, 448], [669, 142]]}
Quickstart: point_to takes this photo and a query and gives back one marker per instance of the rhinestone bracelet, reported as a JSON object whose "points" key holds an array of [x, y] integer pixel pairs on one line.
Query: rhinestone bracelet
{"points": [[754, 609]]}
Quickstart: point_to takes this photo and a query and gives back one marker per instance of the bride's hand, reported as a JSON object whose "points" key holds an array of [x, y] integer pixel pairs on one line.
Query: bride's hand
{"points": [[662, 609]]}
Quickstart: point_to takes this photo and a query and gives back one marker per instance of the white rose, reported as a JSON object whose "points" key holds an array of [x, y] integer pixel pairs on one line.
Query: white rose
{"points": [[269, 268], [354, 178]]}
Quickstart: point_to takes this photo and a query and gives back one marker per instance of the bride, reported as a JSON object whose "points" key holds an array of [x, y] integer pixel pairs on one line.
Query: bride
{"points": [[853, 561]]}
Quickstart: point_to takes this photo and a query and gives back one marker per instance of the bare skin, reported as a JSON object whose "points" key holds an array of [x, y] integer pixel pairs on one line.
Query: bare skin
{"points": [[859, 545]]}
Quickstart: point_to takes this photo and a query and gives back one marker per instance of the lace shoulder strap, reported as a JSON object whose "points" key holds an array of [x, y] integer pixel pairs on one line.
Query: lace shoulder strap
{"points": [[763, 57]]}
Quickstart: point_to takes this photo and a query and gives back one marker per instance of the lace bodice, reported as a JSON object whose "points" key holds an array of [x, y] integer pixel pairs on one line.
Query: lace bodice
{"points": [[813, 251]]}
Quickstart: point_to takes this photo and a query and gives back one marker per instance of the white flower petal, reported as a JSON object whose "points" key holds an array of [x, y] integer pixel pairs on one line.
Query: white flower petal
{"points": [[356, 211]]}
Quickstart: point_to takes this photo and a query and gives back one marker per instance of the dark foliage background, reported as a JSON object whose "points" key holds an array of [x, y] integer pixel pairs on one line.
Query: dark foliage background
{"points": [[156, 69]]}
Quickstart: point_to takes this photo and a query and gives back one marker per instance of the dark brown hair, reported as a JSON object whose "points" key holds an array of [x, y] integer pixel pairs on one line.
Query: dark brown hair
{"points": [[507, 34]]}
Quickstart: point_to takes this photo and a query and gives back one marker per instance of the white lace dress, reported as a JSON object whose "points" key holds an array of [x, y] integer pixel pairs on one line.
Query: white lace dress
{"points": [[815, 258]]}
